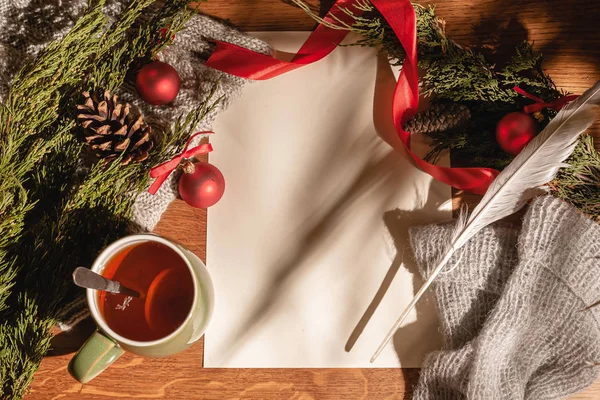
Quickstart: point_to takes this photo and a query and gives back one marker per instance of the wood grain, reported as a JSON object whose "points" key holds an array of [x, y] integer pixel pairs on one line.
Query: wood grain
{"points": [[566, 32]]}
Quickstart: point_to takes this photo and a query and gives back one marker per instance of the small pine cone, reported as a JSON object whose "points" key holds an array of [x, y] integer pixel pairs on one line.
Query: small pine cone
{"points": [[439, 117], [111, 131]]}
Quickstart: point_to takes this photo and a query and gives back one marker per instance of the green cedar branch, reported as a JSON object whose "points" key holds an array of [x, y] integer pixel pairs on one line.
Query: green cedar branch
{"points": [[455, 73], [51, 219]]}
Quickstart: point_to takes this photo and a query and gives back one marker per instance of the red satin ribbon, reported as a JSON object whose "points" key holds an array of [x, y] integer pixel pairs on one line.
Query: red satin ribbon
{"points": [[540, 104], [239, 61], [401, 17], [162, 171]]}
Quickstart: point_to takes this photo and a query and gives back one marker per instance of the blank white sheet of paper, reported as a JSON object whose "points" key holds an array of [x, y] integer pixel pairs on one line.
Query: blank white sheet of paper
{"points": [[308, 249]]}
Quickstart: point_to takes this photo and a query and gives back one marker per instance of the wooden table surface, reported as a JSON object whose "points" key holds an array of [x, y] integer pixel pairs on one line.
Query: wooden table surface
{"points": [[565, 30]]}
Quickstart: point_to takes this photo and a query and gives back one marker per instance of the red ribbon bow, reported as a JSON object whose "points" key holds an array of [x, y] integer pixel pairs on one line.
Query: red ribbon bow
{"points": [[540, 104], [400, 14], [162, 171]]}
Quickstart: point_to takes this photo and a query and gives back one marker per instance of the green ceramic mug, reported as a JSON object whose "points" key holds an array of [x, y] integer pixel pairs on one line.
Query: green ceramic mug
{"points": [[105, 345]]}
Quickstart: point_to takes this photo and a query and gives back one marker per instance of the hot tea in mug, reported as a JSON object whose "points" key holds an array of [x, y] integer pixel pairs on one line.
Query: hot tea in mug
{"points": [[174, 308], [167, 292]]}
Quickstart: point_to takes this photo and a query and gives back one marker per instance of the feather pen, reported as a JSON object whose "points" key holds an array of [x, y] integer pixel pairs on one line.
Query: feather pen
{"points": [[519, 182]]}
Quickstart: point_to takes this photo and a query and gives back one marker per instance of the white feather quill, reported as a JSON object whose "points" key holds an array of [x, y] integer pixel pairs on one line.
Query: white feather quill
{"points": [[520, 181]]}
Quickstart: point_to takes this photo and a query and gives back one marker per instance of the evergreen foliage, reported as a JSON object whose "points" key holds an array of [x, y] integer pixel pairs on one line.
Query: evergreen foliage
{"points": [[579, 184], [454, 73], [56, 212]]}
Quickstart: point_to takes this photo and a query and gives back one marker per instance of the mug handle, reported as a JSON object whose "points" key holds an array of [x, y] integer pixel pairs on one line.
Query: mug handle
{"points": [[96, 354]]}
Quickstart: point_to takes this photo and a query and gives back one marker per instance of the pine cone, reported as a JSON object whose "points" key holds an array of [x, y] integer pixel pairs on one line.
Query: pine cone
{"points": [[439, 117], [111, 130]]}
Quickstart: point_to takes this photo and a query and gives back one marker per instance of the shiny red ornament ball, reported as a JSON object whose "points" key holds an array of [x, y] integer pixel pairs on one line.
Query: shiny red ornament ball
{"points": [[514, 131], [201, 185], [158, 83]]}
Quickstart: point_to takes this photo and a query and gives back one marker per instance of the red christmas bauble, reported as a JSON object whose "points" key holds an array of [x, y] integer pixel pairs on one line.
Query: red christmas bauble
{"points": [[514, 131], [201, 185], [158, 83]]}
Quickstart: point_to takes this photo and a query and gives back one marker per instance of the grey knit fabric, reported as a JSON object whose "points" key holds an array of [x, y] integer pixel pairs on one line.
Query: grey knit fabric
{"points": [[511, 306], [29, 25]]}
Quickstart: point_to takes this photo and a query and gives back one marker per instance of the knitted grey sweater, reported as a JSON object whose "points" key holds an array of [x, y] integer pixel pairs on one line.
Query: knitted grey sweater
{"points": [[512, 308]]}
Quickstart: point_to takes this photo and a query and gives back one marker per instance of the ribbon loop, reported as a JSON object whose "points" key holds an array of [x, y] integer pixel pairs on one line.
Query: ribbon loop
{"points": [[400, 15], [161, 172], [540, 104]]}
